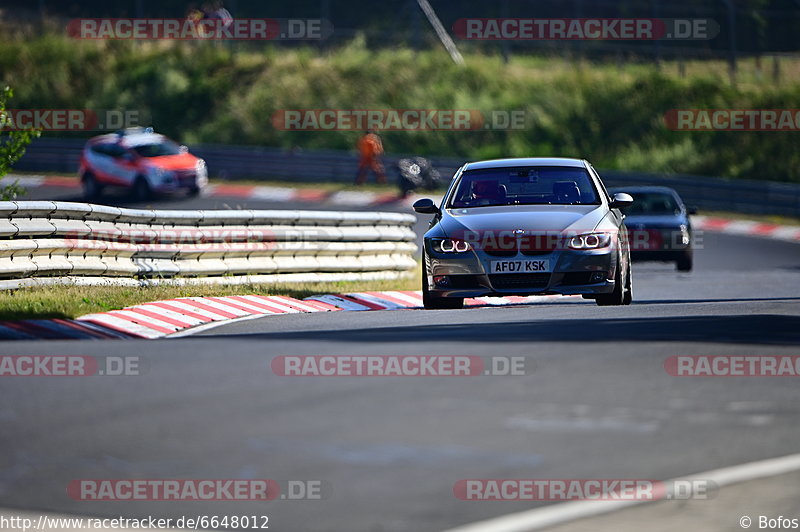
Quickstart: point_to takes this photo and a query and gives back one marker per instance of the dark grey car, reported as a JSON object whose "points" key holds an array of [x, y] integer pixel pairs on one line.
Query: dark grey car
{"points": [[525, 227], [659, 227]]}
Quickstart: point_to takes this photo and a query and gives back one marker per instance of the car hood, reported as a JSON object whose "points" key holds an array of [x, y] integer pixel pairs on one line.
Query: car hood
{"points": [[655, 220], [531, 219], [182, 161]]}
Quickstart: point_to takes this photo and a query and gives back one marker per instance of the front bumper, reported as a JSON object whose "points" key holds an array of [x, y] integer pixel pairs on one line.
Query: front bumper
{"points": [[183, 180], [660, 244], [659, 240], [573, 272]]}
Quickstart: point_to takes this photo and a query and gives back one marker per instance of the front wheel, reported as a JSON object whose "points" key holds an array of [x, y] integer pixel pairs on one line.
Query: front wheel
{"points": [[433, 302], [684, 264], [91, 188], [141, 190], [439, 303], [623, 290], [628, 297]]}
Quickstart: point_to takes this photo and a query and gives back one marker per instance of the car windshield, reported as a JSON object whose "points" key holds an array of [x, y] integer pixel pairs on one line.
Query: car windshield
{"points": [[653, 203], [158, 149], [529, 185]]}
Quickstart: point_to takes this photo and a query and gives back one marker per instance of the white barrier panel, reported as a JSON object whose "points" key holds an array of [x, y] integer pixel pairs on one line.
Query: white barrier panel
{"points": [[70, 240]]}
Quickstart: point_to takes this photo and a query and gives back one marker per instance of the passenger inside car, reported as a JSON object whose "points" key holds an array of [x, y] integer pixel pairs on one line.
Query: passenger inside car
{"points": [[566, 192]]}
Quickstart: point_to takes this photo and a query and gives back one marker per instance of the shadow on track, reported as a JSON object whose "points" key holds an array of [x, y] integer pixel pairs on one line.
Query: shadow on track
{"points": [[771, 329], [735, 300]]}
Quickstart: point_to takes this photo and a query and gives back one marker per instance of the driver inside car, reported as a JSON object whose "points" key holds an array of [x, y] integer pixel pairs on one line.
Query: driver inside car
{"points": [[488, 192]]}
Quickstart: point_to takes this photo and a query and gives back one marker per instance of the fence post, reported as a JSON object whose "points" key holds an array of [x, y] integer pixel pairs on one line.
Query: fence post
{"points": [[731, 39]]}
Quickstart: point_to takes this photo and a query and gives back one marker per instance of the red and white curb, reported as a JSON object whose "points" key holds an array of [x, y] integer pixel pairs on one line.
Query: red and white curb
{"points": [[790, 233], [183, 316], [343, 198], [35, 181]]}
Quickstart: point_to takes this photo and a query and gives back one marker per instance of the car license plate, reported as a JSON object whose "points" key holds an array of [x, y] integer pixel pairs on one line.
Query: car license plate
{"points": [[520, 266]]}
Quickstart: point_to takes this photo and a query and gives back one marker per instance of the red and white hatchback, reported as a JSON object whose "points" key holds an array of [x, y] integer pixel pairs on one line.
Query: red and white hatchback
{"points": [[142, 161]]}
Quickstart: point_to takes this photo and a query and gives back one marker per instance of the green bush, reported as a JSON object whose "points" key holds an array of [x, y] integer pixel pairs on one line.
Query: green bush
{"points": [[209, 92]]}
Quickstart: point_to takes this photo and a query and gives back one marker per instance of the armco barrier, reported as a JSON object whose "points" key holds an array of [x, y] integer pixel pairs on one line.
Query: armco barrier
{"points": [[715, 194], [73, 241]]}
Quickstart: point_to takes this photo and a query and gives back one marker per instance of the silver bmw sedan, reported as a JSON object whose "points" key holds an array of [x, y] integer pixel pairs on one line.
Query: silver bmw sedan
{"points": [[524, 227]]}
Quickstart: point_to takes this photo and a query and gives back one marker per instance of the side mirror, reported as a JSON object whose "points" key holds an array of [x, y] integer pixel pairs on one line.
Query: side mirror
{"points": [[621, 200], [691, 210], [184, 149], [426, 206]]}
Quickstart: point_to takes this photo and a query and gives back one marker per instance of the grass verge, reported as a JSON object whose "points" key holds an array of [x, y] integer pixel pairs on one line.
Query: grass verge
{"points": [[73, 301]]}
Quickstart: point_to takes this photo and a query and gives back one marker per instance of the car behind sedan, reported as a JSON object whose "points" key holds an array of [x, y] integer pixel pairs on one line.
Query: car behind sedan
{"points": [[659, 227], [526, 226]]}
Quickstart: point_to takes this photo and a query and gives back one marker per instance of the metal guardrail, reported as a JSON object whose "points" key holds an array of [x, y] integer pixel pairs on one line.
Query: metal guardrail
{"points": [[232, 162], [64, 239], [715, 194]]}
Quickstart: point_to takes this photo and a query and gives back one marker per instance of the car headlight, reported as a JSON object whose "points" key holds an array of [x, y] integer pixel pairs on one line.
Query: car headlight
{"points": [[685, 235], [589, 241], [450, 245], [200, 168]]}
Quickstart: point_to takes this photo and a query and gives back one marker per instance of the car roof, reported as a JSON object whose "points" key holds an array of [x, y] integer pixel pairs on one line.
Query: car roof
{"points": [[131, 139], [138, 139], [526, 161]]}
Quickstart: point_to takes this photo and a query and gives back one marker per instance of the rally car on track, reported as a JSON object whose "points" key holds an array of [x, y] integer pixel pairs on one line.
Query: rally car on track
{"points": [[524, 227], [142, 161]]}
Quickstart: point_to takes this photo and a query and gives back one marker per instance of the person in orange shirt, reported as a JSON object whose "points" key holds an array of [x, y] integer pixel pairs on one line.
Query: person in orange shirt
{"points": [[370, 149]]}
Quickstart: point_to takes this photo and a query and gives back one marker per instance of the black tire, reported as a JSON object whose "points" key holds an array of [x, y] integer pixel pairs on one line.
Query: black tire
{"points": [[432, 302], [91, 188], [685, 263], [194, 192], [141, 190], [628, 297], [623, 290], [442, 303]]}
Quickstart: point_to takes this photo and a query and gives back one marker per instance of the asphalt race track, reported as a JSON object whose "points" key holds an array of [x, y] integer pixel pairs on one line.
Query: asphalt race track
{"points": [[598, 402]]}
